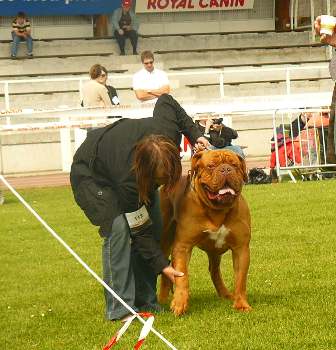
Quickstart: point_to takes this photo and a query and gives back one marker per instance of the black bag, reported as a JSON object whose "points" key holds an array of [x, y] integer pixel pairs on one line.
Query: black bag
{"points": [[258, 176]]}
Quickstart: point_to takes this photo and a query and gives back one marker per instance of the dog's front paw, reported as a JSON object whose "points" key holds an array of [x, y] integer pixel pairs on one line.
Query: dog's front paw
{"points": [[179, 305], [242, 305]]}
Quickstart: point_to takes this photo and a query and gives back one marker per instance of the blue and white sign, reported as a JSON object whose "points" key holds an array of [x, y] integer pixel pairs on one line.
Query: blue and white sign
{"points": [[58, 7]]}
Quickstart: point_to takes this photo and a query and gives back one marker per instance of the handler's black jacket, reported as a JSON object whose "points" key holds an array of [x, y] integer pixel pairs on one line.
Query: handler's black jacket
{"points": [[114, 160]]}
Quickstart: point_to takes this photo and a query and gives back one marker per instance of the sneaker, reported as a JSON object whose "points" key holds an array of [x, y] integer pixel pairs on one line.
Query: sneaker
{"points": [[30, 55], [126, 318], [135, 52], [151, 308], [13, 57], [122, 53]]}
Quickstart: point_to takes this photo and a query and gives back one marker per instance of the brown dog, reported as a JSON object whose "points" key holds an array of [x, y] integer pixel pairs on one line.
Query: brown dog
{"points": [[207, 210]]}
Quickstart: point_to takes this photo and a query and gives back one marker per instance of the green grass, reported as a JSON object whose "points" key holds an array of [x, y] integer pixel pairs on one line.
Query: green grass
{"points": [[48, 301]]}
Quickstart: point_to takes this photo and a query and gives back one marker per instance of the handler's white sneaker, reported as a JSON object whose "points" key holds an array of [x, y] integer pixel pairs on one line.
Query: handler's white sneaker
{"points": [[126, 318]]}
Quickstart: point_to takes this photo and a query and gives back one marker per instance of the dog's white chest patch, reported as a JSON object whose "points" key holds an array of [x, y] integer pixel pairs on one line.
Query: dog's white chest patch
{"points": [[218, 236]]}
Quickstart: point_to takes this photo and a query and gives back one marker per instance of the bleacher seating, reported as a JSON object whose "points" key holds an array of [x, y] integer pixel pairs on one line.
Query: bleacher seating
{"points": [[176, 53], [253, 65]]}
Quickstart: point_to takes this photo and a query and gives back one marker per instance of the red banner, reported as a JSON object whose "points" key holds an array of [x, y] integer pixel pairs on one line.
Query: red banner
{"points": [[192, 5]]}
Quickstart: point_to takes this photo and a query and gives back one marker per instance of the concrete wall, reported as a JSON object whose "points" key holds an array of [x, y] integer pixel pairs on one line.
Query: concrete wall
{"points": [[40, 152]]}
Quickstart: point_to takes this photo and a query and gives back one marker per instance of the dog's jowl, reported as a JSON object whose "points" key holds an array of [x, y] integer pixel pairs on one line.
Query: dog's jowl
{"points": [[207, 210]]}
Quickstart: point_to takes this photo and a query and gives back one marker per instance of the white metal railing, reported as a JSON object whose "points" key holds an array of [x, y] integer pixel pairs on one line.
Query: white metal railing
{"points": [[300, 146], [220, 73], [75, 120]]}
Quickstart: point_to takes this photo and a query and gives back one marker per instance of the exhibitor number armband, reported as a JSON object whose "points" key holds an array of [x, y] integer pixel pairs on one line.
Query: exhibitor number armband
{"points": [[138, 220]]}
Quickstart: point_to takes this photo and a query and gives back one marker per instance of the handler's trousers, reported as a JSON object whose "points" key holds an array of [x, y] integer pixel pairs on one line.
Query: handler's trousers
{"points": [[126, 272]]}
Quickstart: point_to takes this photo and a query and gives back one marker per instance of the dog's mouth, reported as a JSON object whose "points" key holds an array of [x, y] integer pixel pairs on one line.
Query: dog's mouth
{"points": [[221, 195]]}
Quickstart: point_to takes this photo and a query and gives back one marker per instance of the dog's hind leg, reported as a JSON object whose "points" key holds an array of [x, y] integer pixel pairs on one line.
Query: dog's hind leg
{"points": [[165, 287], [216, 276], [167, 238]]}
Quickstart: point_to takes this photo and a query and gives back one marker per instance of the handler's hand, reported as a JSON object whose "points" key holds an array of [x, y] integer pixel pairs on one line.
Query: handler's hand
{"points": [[171, 273], [325, 39], [201, 144]]}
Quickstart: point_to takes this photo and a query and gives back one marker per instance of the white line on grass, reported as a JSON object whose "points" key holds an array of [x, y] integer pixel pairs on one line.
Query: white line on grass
{"points": [[78, 258]]}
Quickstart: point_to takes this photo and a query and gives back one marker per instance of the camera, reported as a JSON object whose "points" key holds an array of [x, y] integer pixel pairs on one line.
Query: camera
{"points": [[217, 121]]}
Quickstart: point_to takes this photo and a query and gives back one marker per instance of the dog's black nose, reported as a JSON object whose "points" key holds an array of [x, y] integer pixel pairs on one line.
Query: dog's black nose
{"points": [[226, 169]]}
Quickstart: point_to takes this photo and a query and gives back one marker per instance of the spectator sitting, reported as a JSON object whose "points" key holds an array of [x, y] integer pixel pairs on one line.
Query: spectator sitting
{"points": [[150, 83], [125, 26], [21, 31], [96, 93], [289, 132], [219, 135], [289, 151]]}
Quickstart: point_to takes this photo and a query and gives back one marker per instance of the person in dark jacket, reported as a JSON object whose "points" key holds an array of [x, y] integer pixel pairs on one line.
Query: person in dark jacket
{"points": [[123, 165], [219, 135], [125, 25]]}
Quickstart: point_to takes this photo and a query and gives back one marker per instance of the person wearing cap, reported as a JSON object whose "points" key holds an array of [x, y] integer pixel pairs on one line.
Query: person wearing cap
{"points": [[21, 32], [125, 25], [149, 83], [330, 40]]}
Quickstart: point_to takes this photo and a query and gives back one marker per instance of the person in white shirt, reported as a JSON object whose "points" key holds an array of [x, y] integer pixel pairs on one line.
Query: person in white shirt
{"points": [[150, 83]]}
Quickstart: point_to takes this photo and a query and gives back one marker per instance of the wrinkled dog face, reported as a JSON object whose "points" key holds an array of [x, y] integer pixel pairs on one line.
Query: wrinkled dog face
{"points": [[218, 177]]}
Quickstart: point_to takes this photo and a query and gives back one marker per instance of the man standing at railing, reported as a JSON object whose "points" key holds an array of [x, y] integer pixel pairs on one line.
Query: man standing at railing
{"points": [[21, 31], [330, 40]]}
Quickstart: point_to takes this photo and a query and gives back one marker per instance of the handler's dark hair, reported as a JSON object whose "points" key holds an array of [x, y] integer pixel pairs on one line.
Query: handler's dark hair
{"points": [[151, 153]]}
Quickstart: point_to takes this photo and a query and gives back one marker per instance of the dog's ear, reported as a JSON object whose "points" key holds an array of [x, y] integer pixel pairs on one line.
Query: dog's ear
{"points": [[243, 168], [194, 162]]}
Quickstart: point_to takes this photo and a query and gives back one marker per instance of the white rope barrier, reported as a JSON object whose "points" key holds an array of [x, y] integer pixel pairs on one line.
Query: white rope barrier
{"points": [[78, 258]]}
